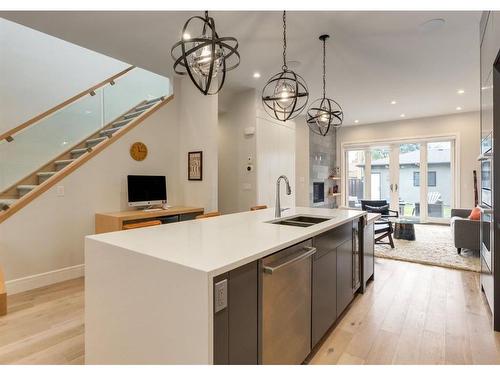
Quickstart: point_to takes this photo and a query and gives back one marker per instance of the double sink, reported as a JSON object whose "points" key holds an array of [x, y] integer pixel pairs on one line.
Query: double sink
{"points": [[300, 221]]}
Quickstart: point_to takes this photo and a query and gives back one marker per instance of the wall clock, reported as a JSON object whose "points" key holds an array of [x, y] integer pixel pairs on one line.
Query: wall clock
{"points": [[138, 151]]}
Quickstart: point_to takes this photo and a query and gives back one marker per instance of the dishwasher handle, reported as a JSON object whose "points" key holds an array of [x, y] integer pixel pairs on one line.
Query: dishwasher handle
{"points": [[309, 251]]}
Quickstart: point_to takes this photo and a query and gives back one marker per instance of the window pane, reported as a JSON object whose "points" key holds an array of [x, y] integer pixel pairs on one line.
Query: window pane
{"points": [[380, 178], [431, 179], [356, 177], [439, 179], [416, 178], [409, 170]]}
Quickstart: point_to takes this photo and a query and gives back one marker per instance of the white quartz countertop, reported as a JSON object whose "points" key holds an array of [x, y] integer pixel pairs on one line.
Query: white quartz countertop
{"points": [[219, 244]]}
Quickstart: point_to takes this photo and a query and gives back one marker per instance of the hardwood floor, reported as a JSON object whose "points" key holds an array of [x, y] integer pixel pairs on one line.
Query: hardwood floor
{"points": [[44, 326], [411, 314], [415, 314]]}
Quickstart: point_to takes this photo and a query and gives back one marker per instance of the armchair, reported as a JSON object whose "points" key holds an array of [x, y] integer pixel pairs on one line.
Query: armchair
{"points": [[465, 231], [383, 227]]}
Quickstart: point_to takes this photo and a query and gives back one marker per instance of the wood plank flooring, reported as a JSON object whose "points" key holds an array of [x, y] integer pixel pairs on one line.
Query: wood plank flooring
{"points": [[411, 314], [415, 314], [44, 326]]}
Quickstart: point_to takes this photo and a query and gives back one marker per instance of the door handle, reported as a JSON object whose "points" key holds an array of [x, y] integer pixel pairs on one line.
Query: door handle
{"points": [[391, 186], [396, 187], [309, 251]]}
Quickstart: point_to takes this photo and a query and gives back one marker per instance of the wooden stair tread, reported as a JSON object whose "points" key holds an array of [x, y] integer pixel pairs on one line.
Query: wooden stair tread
{"points": [[65, 161], [83, 149], [133, 114], [26, 186]]}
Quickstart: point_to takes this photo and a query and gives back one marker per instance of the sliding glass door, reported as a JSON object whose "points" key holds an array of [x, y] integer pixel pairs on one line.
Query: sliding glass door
{"points": [[439, 179], [355, 177], [380, 173], [408, 187], [415, 178]]}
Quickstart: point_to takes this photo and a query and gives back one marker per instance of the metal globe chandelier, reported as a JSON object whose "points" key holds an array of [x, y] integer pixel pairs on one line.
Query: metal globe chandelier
{"points": [[207, 57], [285, 94], [324, 112]]}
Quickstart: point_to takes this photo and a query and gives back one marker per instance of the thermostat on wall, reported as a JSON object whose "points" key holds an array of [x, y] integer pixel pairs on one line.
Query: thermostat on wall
{"points": [[250, 130]]}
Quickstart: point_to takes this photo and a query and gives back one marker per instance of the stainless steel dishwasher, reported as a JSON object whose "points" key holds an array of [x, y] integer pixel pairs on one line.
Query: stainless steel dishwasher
{"points": [[285, 296]]}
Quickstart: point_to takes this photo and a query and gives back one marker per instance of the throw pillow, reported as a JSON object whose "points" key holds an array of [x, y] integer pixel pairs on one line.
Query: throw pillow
{"points": [[378, 210], [475, 214]]}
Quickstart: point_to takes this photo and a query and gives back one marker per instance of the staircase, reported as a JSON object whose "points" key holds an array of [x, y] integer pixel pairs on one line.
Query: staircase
{"points": [[25, 190]]}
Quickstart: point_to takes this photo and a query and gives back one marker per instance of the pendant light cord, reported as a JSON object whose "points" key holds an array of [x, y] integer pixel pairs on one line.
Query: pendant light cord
{"points": [[284, 67], [324, 68], [207, 20]]}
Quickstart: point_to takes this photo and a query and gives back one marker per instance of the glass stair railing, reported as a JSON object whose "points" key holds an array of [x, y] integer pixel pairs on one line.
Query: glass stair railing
{"points": [[32, 154]]}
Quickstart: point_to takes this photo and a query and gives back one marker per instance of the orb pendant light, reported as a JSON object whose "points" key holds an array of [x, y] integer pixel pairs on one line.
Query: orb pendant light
{"points": [[207, 57], [285, 94], [324, 113]]}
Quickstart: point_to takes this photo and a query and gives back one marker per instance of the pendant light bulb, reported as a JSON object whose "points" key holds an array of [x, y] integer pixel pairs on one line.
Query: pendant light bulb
{"points": [[285, 94], [207, 58], [324, 113]]}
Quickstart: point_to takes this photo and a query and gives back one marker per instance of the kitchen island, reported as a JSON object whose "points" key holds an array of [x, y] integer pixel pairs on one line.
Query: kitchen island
{"points": [[149, 293]]}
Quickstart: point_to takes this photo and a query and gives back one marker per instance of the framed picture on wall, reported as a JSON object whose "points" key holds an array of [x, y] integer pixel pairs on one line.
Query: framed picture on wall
{"points": [[195, 166]]}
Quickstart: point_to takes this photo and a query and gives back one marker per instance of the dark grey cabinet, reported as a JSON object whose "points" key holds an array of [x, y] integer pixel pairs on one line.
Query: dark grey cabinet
{"points": [[189, 216], [490, 157], [335, 277], [324, 286], [344, 275], [236, 325], [368, 253]]}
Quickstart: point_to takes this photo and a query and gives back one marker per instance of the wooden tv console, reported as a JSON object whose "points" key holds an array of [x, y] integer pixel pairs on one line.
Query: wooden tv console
{"points": [[111, 222]]}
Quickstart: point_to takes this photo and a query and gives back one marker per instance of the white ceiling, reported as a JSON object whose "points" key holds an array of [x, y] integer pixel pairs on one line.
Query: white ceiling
{"points": [[373, 57]]}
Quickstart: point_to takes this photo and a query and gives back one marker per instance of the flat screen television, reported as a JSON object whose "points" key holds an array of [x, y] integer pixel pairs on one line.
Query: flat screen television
{"points": [[146, 190]]}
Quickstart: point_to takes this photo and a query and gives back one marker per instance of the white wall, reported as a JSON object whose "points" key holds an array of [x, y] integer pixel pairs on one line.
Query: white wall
{"points": [[228, 165], [237, 185], [197, 124], [275, 157], [302, 163], [465, 126], [47, 235], [38, 71], [271, 150]]}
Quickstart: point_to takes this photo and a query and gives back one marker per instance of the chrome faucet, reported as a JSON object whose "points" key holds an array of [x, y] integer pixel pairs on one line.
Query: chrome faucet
{"points": [[278, 210]]}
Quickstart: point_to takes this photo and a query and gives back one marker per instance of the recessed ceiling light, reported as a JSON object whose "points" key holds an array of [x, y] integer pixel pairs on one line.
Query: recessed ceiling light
{"points": [[402, 115], [294, 64], [459, 108], [432, 25], [460, 91], [356, 121], [186, 36], [256, 75], [393, 102]]}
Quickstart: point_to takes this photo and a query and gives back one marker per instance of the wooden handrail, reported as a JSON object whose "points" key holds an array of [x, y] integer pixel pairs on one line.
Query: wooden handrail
{"points": [[8, 135]]}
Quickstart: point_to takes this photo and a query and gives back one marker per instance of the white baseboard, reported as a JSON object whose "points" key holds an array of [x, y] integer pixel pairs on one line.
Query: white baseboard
{"points": [[42, 279]]}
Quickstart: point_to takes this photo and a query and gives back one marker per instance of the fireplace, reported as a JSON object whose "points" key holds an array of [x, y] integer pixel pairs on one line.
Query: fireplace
{"points": [[318, 192]]}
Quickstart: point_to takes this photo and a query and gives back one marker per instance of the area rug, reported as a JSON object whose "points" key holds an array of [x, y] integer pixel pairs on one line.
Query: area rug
{"points": [[434, 246]]}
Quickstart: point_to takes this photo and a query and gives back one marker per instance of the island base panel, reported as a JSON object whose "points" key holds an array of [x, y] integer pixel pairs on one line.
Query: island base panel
{"points": [[236, 325]]}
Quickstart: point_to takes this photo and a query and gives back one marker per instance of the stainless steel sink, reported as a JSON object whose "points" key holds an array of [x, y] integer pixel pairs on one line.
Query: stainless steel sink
{"points": [[300, 221]]}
